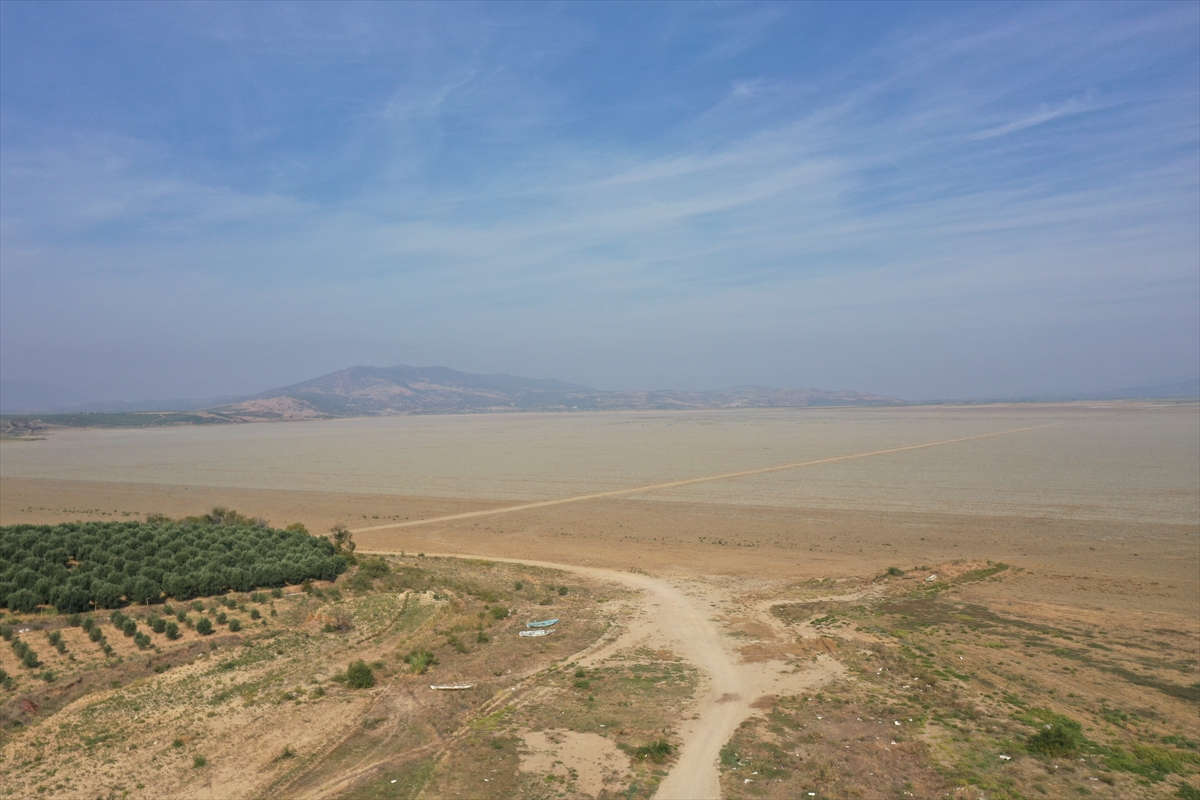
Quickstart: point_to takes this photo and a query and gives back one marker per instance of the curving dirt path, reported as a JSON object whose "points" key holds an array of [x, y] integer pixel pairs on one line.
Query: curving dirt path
{"points": [[682, 621]]}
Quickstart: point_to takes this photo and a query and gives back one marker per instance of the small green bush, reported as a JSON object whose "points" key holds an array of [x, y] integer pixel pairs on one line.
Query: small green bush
{"points": [[562, 590], [55, 637], [197, 605], [221, 618], [1059, 739], [171, 630], [235, 624], [277, 592], [158, 624], [499, 613], [95, 634], [204, 626], [518, 586], [142, 640], [30, 660], [374, 568], [181, 616], [359, 675], [420, 661], [895, 571], [128, 627], [74, 620], [360, 582], [199, 761], [456, 643], [657, 751], [255, 614]]}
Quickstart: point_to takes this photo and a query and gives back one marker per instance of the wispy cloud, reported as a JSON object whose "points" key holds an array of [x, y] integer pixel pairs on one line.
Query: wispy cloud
{"points": [[481, 210], [1068, 108]]}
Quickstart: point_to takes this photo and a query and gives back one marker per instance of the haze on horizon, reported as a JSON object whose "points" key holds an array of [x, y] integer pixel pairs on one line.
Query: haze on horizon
{"points": [[916, 200]]}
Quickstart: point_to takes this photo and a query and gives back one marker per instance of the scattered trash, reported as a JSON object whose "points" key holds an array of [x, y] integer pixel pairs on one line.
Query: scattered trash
{"points": [[1005, 758]]}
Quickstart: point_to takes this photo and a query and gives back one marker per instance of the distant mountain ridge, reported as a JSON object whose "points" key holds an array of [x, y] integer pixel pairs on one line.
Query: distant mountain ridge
{"points": [[372, 391]]}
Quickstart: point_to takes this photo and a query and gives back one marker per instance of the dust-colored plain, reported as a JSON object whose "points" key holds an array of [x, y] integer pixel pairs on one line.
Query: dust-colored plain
{"points": [[1093, 508]]}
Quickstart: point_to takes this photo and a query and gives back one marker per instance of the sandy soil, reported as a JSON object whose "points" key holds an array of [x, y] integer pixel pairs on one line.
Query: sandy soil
{"points": [[679, 617]]}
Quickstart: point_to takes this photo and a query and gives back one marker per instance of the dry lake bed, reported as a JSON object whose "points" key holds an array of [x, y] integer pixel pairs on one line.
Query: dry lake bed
{"points": [[892, 601]]}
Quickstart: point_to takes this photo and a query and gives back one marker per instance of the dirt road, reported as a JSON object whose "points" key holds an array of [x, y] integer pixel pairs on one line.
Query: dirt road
{"points": [[670, 617], [745, 473]]}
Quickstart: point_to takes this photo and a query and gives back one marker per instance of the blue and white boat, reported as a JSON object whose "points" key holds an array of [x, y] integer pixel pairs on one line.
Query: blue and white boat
{"points": [[546, 623]]}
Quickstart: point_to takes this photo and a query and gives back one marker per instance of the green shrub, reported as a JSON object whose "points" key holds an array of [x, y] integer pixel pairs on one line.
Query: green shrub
{"points": [[221, 618], [657, 751], [181, 616], [235, 624], [172, 631], [456, 643], [199, 761], [277, 592], [255, 614], [1060, 739], [562, 590], [360, 582], [374, 568], [481, 637], [95, 634], [55, 637], [895, 571], [158, 624], [30, 660], [359, 675], [420, 661], [129, 627], [518, 586], [74, 620], [6, 632], [142, 640], [197, 605], [204, 626], [499, 613]]}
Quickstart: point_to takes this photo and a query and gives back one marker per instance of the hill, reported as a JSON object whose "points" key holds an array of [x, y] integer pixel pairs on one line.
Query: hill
{"points": [[368, 391]]}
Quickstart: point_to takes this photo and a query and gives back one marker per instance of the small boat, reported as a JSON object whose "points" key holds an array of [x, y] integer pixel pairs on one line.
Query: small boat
{"points": [[451, 687], [546, 623], [541, 632]]}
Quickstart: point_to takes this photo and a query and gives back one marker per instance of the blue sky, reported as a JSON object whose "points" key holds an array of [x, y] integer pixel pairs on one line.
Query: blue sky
{"points": [[923, 200]]}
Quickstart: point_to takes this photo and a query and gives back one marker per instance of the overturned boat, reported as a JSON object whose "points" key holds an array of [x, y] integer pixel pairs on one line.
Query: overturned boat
{"points": [[546, 623], [451, 687], [538, 632]]}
